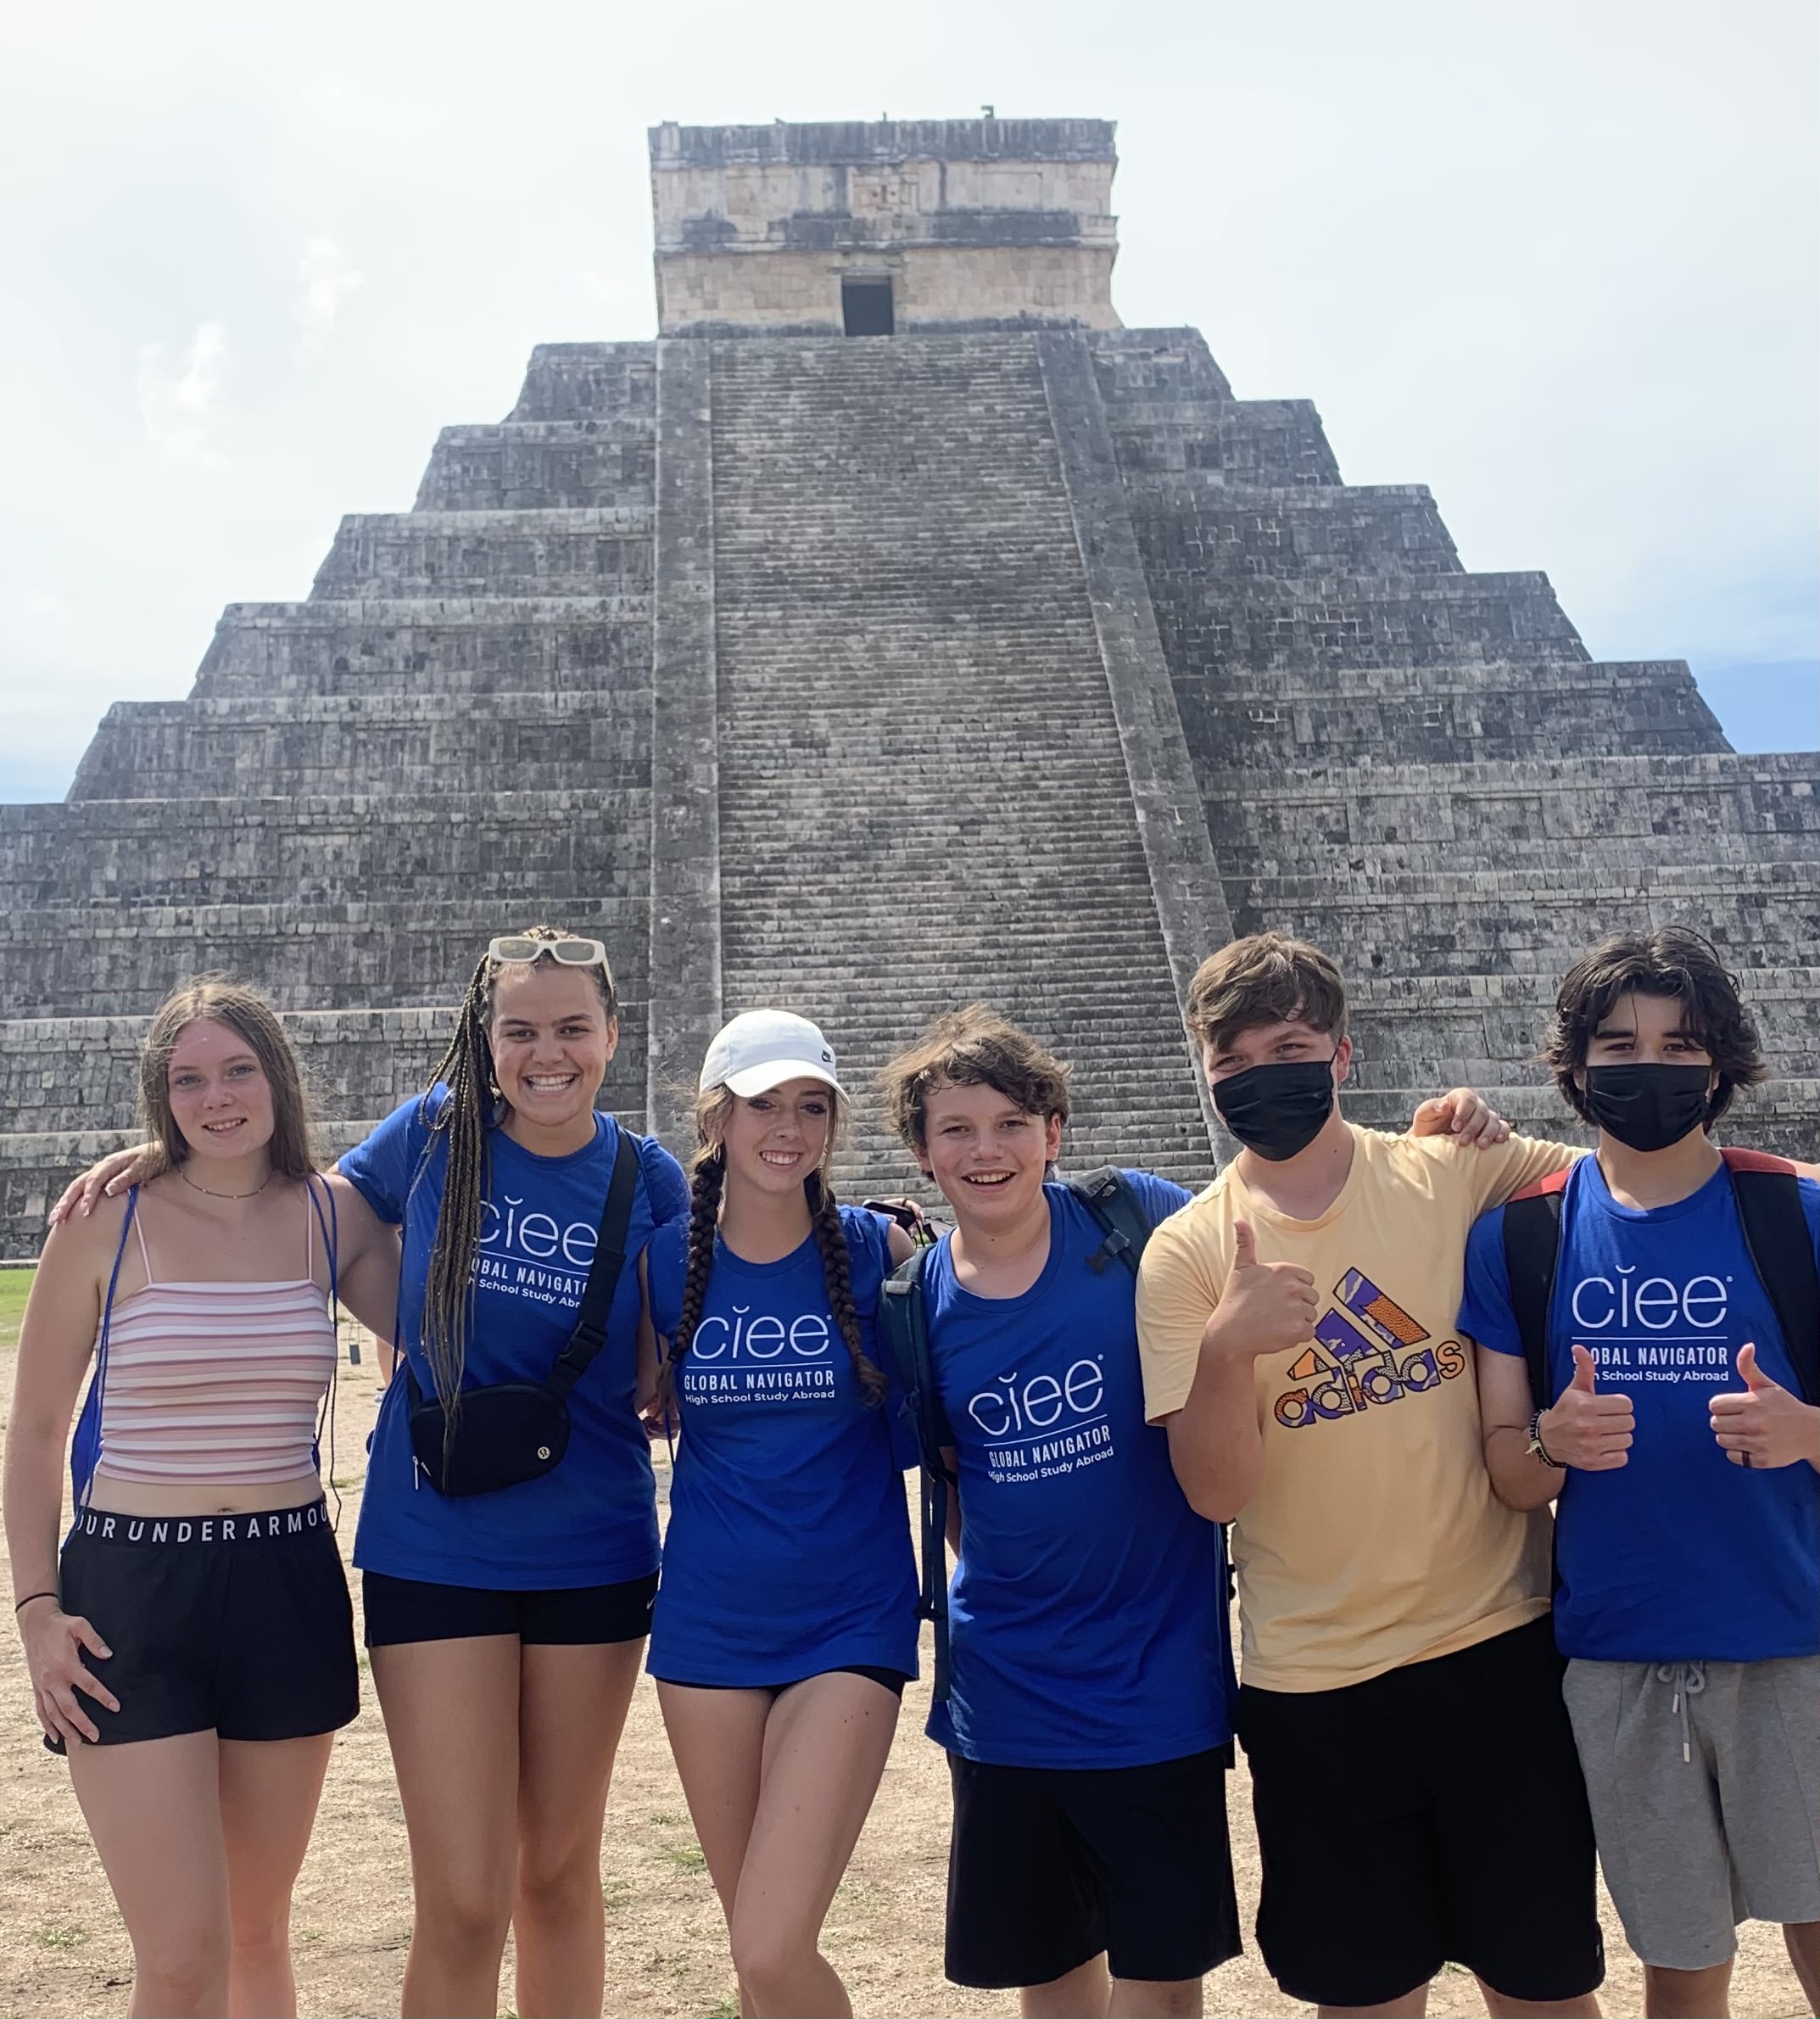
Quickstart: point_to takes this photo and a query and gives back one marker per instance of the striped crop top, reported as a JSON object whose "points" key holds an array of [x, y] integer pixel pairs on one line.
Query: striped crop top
{"points": [[216, 1382]]}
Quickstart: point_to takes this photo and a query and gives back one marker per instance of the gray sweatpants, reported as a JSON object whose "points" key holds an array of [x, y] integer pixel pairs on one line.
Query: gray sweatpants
{"points": [[1704, 1779]]}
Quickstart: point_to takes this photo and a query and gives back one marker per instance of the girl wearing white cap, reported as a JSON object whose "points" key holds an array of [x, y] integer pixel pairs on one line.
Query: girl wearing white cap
{"points": [[785, 1627]]}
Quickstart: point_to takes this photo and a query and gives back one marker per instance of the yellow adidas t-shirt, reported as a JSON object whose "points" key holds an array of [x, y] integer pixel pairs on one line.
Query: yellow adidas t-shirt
{"points": [[1373, 1538]]}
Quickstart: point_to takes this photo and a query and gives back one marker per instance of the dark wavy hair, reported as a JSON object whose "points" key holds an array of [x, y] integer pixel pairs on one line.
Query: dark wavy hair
{"points": [[971, 1046], [1674, 962]]}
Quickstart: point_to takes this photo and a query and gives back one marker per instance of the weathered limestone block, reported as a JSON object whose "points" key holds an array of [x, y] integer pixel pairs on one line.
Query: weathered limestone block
{"points": [[582, 552], [531, 466]]}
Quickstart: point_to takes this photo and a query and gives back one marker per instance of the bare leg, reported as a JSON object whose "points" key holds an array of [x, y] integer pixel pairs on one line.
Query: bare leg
{"points": [[1688, 1994], [451, 1712], [154, 1811], [1085, 1993], [269, 1797], [1141, 1998], [1501, 2007], [1802, 1940], [1412, 2006], [572, 1708], [824, 1746]]}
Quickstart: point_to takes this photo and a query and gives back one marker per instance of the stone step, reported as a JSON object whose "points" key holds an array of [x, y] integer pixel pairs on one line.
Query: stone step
{"points": [[452, 645], [1210, 629], [1532, 921], [133, 853], [309, 743], [516, 466], [1263, 718], [1619, 812], [349, 953], [1195, 521], [576, 381], [545, 554]]}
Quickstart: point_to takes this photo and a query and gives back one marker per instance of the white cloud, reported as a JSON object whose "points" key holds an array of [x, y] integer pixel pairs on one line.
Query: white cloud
{"points": [[327, 278], [179, 407]]}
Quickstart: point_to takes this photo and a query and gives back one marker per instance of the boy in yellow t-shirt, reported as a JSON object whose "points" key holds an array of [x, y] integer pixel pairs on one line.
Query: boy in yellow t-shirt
{"points": [[1417, 1792]]}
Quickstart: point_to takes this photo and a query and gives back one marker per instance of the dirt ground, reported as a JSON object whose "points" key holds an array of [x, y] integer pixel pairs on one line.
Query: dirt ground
{"points": [[63, 1950]]}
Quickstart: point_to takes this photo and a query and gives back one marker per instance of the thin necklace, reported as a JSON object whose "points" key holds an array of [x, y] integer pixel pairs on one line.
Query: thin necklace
{"points": [[207, 1194]]}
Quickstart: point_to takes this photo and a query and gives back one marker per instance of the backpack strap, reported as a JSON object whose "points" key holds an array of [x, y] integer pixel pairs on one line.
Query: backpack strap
{"points": [[589, 1335], [84, 1448], [1532, 1256], [903, 1313], [1109, 1195], [1768, 1193]]}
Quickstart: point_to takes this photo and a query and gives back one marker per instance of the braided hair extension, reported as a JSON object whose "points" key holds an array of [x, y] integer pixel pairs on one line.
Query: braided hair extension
{"points": [[465, 1069], [825, 1216], [462, 1121]]}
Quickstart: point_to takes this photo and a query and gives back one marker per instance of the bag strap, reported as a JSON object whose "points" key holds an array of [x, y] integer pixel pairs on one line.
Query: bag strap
{"points": [[1781, 1248], [1109, 1195], [903, 1313], [589, 1335], [97, 1387], [1531, 1258]]}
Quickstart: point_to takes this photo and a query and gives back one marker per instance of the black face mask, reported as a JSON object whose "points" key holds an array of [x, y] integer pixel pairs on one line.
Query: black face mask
{"points": [[1648, 1107], [1277, 1110]]}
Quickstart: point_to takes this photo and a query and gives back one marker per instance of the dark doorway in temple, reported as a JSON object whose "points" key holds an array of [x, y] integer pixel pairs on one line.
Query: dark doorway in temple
{"points": [[866, 308]]}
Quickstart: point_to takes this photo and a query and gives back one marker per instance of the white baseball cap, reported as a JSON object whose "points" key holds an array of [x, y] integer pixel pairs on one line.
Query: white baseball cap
{"points": [[762, 1048]]}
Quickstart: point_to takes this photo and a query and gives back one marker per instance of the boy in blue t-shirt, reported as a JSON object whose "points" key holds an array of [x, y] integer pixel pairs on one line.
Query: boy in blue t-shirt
{"points": [[1088, 1717], [1687, 1467]]}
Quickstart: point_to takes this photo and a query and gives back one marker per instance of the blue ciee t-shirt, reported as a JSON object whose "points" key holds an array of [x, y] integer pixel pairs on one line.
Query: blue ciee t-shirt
{"points": [[1087, 1617], [789, 1552], [1678, 1555], [593, 1520]]}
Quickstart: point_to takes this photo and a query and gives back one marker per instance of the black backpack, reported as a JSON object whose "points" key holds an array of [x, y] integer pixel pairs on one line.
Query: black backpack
{"points": [[1775, 1229], [1121, 1218]]}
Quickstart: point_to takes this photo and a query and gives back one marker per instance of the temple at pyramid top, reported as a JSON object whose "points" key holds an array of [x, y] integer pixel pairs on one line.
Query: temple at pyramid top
{"points": [[865, 230]]}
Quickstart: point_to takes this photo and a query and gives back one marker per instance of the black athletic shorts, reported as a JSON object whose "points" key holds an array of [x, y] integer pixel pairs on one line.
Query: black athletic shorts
{"points": [[1432, 1814], [400, 1609], [235, 1624], [1049, 1866]]}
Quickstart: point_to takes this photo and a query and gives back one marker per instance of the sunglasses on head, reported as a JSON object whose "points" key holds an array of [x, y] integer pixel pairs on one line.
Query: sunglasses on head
{"points": [[566, 953]]}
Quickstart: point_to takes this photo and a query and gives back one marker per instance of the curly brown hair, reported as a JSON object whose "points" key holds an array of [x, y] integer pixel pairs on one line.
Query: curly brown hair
{"points": [[971, 1046], [1675, 962]]}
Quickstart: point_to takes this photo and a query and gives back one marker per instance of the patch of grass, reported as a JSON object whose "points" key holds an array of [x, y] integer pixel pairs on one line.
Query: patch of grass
{"points": [[15, 1286], [729, 2008], [614, 1893], [665, 1815], [688, 1857], [49, 1938]]}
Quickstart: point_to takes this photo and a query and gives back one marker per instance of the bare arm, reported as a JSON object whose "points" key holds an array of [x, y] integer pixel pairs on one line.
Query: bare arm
{"points": [[105, 1179], [55, 1343], [1520, 1477], [366, 1257], [1216, 1442], [650, 1349]]}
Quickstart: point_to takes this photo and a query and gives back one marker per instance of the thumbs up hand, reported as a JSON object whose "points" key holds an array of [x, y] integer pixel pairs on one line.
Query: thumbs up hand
{"points": [[1765, 1426], [1585, 1429], [1266, 1308]]}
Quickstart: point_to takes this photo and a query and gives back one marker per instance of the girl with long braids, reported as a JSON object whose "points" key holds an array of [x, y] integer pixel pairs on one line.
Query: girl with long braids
{"points": [[506, 1626], [786, 1627]]}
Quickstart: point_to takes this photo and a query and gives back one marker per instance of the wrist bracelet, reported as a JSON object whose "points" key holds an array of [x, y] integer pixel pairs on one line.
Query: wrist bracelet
{"points": [[1538, 1447], [28, 1598]]}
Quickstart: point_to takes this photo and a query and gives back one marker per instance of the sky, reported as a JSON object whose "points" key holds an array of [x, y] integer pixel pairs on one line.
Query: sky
{"points": [[1556, 261]]}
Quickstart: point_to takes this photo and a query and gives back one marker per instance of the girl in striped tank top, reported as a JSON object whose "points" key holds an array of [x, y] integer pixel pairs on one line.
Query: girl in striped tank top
{"points": [[192, 1648]]}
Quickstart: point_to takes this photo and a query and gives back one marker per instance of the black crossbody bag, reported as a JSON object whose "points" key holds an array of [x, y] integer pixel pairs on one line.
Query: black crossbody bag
{"points": [[512, 1431]]}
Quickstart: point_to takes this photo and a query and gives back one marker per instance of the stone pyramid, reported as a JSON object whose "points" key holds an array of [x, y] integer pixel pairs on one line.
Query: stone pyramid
{"points": [[992, 649]]}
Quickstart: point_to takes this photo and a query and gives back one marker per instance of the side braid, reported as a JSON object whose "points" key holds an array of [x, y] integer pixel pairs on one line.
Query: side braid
{"points": [[707, 1172], [830, 1237], [466, 1071]]}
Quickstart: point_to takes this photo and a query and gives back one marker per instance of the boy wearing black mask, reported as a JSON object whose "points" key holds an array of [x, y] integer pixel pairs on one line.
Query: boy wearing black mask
{"points": [[1687, 1466], [1417, 1795]]}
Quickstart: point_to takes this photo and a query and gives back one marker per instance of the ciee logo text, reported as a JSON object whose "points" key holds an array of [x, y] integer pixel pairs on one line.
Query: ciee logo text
{"points": [[1016, 1407]]}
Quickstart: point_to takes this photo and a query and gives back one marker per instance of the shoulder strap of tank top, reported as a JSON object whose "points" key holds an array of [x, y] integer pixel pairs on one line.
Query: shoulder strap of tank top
{"points": [[138, 1228]]}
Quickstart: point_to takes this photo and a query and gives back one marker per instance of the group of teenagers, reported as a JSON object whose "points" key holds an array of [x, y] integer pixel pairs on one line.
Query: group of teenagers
{"points": [[1376, 1359]]}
